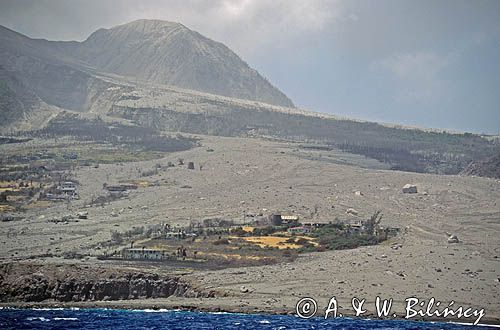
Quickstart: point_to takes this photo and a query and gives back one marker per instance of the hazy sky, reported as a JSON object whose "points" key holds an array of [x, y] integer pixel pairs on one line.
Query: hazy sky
{"points": [[424, 63]]}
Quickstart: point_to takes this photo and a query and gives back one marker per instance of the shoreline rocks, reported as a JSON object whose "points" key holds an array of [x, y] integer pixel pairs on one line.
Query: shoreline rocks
{"points": [[72, 284]]}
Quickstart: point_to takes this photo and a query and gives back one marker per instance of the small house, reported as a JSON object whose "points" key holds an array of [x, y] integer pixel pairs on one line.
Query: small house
{"points": [[315, 224], [175, 234], [68, 188], [356, 226], [289, 218], [145, 254]]}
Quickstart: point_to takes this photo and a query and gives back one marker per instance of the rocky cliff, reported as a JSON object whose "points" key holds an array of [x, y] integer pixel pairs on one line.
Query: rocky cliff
{"points": [[65, 283]]}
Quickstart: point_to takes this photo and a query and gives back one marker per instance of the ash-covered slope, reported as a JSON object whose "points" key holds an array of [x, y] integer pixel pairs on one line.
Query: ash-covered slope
{"points": [[68, 74], [15, 100], [32, 70], [169, 53]]}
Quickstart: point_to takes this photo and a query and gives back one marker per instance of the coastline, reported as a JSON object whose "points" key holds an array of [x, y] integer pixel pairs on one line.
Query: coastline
{"points": [[420, 263], [209, 305]]}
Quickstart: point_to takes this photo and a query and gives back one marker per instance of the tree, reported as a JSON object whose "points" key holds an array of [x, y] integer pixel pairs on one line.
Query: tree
{"points": [[373, 222], [116, 237], [276, 220]]}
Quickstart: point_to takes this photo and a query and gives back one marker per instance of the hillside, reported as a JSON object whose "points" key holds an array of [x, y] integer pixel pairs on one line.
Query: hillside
{"points": [[103, 77], [66, 74], [169, 53], [402, 149], [489, 167], [15, 101]]}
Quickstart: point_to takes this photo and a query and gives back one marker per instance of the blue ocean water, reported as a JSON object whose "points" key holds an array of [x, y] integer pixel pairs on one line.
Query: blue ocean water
{"points": [[182, 320]]}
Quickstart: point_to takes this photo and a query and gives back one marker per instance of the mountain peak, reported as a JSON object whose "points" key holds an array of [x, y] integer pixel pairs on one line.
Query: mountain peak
{"points": [[142, 28], [156, 51], [170, 53], [149, 25]]}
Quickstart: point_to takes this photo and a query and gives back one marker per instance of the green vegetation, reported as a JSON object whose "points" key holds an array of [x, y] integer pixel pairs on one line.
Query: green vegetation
{"points": [[132, 137], [106, 154], [401, 148], [80, 141], [220, 243], [338, 236], [342, 241]]}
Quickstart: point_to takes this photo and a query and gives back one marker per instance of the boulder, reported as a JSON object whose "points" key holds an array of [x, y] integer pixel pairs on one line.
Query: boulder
{"points": [[410, 189], [351, 211]]}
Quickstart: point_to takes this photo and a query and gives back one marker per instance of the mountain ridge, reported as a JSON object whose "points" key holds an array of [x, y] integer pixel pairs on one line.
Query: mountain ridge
{"points": [[89, 79], [152, 51], [178, 56]]}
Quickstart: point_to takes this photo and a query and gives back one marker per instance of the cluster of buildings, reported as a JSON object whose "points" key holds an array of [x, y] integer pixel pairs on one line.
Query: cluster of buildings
{"points": [[355, 226], [295, 227], [63, 191]]}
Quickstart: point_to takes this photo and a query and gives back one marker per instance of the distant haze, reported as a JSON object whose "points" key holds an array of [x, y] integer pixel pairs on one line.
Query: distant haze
{"points": [[422, 63]]}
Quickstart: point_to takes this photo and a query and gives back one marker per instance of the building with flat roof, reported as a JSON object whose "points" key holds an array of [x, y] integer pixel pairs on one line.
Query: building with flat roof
{"points": [[146, 254]]}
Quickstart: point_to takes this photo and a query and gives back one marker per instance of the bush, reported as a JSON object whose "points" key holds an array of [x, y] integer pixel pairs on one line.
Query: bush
{"points": [[264, 231], [320, 248], [302, 241], [338, 242], [221, 241], [238, 231], [307, 248], [134, 231], [116, 237]]}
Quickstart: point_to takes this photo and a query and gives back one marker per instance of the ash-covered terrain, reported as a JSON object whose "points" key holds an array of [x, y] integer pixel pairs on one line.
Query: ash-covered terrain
{"points": [[154, 161]]}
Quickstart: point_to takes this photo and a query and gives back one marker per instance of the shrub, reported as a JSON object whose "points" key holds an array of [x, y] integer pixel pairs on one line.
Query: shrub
{"points": [[264, 231], [221, 241], [238, 231], [302, 241], [338, 242], [116, 237]]}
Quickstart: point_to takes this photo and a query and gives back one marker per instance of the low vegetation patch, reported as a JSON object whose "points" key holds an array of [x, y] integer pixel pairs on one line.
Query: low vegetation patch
{"points": [[221, 243]]}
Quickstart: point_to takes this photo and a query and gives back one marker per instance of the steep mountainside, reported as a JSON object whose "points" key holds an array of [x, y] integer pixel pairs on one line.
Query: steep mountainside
{"points": [[169, 53], [15, 100], [149, 50], [67, 74]]}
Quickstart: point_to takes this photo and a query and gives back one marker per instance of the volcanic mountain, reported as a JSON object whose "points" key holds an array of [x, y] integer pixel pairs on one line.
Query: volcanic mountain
{"points": [[170, 53], [163, 76], [63, 73]]}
